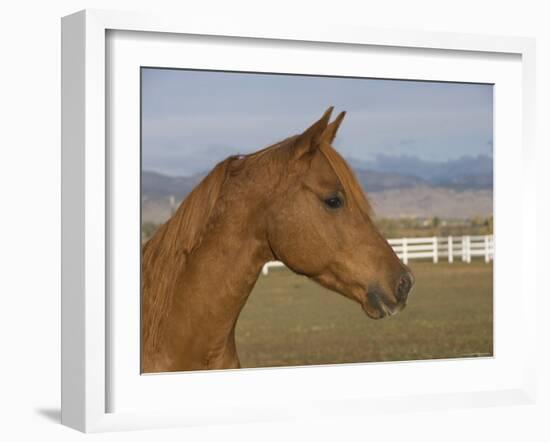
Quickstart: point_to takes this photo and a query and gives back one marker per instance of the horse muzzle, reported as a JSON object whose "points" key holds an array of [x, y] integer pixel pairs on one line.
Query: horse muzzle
{"points": [[378, 305]]}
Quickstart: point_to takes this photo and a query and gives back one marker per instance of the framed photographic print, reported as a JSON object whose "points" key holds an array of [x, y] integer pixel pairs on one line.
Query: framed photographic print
{"points": [[250, 213]]}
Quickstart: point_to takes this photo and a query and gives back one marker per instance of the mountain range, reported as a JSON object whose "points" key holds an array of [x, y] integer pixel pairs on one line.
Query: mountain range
{"points": [[397, 186]]}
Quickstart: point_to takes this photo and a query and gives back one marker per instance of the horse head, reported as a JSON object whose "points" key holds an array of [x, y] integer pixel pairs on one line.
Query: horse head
{"points": [[320, 225]]}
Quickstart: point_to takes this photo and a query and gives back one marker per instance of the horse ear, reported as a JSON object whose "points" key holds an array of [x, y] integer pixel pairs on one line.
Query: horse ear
{"points": [[330, 131], [310, 139]]}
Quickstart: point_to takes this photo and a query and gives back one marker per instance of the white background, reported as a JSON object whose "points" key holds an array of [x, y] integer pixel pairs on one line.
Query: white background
{"points": [[131, 392], [30, 221]]}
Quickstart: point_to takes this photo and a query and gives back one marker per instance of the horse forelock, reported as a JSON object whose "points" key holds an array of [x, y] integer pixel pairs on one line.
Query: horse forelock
{"points": [[348, 180]]}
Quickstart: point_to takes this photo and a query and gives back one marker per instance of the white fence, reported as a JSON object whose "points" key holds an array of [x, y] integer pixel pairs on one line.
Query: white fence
{"points": [[434, 248]]}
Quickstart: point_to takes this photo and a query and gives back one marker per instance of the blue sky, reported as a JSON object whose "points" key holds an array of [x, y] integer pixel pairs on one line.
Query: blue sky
{"points": [[193, 119]]}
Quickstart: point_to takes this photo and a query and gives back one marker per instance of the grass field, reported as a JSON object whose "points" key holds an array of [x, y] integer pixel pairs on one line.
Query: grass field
{"points": [[290, 320]]}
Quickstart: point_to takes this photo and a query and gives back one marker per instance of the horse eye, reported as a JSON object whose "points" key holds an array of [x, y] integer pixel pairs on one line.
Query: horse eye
{"points": [[334, 202]]}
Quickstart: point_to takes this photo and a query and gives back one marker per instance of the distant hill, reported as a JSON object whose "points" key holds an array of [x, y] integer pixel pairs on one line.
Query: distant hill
{"points": [[156, 185], [465, 191], [432, 171], [427, 202], [376, 181], [464, 173], [384, 173]]}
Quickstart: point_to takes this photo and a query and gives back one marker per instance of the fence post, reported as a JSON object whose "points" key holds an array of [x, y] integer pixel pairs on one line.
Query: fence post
{"points": [[486, 248], [405, 257], [463, 248], [468, 249], [435, 249], [450, 248]]}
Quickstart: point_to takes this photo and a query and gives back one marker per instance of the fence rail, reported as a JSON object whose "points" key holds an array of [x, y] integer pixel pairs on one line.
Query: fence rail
{"points": [[435, 248]]}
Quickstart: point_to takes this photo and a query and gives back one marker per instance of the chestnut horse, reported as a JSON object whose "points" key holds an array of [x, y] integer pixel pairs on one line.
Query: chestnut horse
{"points": [[296, 201]]}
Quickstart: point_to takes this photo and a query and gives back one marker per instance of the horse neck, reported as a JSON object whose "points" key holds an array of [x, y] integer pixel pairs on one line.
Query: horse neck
{"points": [[214, 287]]}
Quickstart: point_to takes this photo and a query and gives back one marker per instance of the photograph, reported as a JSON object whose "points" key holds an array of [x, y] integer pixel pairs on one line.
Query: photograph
{"points": [[302, 220]]}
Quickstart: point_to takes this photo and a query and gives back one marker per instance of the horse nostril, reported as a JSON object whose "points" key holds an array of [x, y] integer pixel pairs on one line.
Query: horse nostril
{"points": [[404, 286]]}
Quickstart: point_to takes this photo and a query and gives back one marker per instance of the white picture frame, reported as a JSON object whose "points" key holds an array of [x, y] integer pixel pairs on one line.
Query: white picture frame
{"points": [[86, 204]]}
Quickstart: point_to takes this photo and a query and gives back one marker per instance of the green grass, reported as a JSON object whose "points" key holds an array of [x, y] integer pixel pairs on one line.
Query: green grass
{"points": [[289, 320]]}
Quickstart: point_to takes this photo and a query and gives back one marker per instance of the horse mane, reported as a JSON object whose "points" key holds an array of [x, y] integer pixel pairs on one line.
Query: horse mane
{"points": [[350, 183], [165, 254]]}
